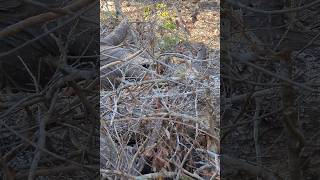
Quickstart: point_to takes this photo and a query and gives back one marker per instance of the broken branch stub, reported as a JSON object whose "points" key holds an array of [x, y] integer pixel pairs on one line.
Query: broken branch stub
{"points": [[117, 35]]}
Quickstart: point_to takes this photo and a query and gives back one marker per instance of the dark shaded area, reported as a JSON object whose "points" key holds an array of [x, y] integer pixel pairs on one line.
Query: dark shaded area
{"points": [[269, 89], [49, 98]]}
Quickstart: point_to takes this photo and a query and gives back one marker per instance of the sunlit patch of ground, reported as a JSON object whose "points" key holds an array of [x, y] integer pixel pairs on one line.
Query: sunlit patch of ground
{"points": [[205, 30]]}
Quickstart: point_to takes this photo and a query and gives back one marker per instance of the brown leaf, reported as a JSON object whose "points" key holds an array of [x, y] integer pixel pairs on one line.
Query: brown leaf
{"points": [[159, 161]]}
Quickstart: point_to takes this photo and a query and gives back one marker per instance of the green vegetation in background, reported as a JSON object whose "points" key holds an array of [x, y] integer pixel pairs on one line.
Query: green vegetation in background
{"points": [[147, 12], [167, 23], [163, 13], [168, 41]]}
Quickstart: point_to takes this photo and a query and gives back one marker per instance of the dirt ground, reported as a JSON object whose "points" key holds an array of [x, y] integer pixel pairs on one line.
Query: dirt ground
{"points": [[205, 30]]}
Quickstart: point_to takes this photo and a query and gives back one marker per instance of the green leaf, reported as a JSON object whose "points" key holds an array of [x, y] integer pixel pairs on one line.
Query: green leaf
{"points": [[169, 26]]}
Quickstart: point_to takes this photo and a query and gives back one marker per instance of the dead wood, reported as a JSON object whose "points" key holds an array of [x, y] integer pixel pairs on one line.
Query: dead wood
{"points": [[116, 62], [117, 35], [20, 26], [242, 165]]}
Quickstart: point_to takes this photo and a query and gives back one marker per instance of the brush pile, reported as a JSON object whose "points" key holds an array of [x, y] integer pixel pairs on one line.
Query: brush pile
{"points": [[159, 113]]}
